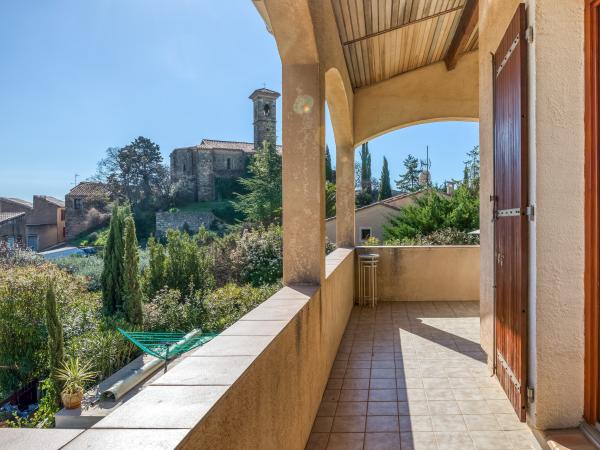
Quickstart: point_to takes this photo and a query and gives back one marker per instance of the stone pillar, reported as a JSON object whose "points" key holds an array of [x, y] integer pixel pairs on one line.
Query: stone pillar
{"points": [[303, 174], [344, 202]]}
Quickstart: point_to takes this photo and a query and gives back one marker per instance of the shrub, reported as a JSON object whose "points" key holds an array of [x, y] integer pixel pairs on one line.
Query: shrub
{"points": [[225, 305], [258, 258], [23, 332], [445, 236], [104, 348], [187, 266], [90, 267], [170, 311], [19, 257]]}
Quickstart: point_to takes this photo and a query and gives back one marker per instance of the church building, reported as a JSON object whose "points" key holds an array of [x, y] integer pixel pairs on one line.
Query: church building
{"points": [[213, 162]]}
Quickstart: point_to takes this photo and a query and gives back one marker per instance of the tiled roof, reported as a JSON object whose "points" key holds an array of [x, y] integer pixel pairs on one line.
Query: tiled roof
{"points": [[6, 216], [213, 144], [18, 201], [264, 91], [54, 201], [89, 189]]}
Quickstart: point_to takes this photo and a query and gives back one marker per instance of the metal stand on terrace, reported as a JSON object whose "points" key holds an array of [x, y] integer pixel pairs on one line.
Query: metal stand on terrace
{"points": [[367, 279]]}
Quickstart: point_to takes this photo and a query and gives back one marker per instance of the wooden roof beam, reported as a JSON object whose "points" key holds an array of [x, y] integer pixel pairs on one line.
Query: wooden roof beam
{"points": [[468, 22]]}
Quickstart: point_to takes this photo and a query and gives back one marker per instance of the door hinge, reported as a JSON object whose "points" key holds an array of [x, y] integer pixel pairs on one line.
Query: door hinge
{"points": [[530, 394], [530, 212], [529, 34]]}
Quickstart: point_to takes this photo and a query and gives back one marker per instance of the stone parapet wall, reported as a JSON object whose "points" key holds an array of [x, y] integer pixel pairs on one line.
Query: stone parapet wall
{"points": [[426, 273], [177, 221]]}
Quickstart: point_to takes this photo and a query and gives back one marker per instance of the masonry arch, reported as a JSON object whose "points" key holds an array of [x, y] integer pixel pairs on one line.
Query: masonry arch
{"points": [[428, 94]]}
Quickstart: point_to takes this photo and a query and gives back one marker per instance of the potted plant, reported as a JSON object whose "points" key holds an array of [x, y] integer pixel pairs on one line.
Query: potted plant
{"points": [[74, 377]]}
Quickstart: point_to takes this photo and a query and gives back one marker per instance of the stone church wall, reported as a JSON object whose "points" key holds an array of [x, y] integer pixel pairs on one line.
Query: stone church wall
{"points": [[177, 221]]}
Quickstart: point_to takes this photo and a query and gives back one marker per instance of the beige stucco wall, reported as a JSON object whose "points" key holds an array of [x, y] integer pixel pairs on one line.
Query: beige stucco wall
{"points": [[374, 218], [426, 273], [556, 190], [294, 367]]}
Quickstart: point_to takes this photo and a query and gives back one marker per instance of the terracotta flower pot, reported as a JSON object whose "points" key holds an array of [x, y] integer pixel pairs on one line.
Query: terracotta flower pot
{"points": [[71, 401]]}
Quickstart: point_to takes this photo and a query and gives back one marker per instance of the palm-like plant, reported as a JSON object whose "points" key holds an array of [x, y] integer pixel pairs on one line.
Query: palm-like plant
{"points": [[74, 376]]}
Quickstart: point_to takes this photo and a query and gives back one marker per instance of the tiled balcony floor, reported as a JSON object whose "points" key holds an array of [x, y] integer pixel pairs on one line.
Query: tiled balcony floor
{"points": [[412, 375]]}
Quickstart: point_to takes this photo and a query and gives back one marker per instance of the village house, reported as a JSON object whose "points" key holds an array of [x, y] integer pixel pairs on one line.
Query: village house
{"points": [[370, 220], [38, 226], [87, 207]]}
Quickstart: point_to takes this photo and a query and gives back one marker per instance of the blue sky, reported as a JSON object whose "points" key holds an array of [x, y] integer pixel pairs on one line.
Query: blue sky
{"points": [[77, 77]]}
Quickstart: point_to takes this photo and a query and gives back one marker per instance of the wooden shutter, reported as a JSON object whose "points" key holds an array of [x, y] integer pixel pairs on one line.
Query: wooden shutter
{"points": [[510, 211], [592, 211]]}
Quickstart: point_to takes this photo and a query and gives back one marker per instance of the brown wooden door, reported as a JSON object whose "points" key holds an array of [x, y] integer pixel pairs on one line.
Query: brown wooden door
{"points": [[510, 215], [592, 211]]}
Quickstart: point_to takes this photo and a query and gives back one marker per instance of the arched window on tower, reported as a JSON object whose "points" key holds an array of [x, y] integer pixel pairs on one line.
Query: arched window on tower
{"points": [[228, 163], [267, 110]]}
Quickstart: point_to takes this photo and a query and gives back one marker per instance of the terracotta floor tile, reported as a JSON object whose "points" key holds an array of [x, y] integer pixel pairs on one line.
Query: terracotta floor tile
{"points": [[346, 441], [454, 441], [317, 441], [349, 424], [351, 409], [354, 395], [322, 425], [418, 441], [382, 424], [383, 395], [382, 441], [382, 409]]}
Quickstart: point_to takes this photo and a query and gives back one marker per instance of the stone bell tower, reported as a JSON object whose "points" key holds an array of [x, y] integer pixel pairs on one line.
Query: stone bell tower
{"points": [[265, 117]]}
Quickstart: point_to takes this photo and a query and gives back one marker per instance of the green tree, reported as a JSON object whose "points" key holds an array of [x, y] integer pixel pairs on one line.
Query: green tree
{"points": [[365, 166], [409, 180], [472, 169], [136, 174], [188, 265], [131, 291], [56, 351], [261, 203], [329, 199], [154, 275], [113, 263], [329, 172], [433, 212], [385, 187]]}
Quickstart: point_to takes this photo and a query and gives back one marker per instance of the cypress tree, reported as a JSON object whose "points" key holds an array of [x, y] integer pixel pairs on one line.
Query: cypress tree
{"points": [[329, 174], [385, 189], [365, 166], [113, 263], [155, 276], [131, 294], [56, 351]]}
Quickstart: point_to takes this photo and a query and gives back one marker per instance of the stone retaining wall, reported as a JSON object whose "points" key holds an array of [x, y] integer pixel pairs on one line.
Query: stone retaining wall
{"points": [[177, 221]]}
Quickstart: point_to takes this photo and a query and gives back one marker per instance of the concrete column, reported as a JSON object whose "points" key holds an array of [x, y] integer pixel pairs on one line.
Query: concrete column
{"points": [[303, 174], [344, 202]]}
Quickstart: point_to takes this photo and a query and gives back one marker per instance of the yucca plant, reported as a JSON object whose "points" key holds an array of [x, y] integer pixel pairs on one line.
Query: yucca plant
{"points": [[74, 377]]}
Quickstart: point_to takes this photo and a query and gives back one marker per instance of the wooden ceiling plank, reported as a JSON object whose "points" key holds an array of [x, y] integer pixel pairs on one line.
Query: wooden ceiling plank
{"points": [[374, 34], [451, 33], [353, 10], [368, 19], [339, 18], [468, 21], [360, 12], [436, 32], [426, 36], [444, 37], [347, 19], [395, 11], [388, 14], [350, 66]]}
